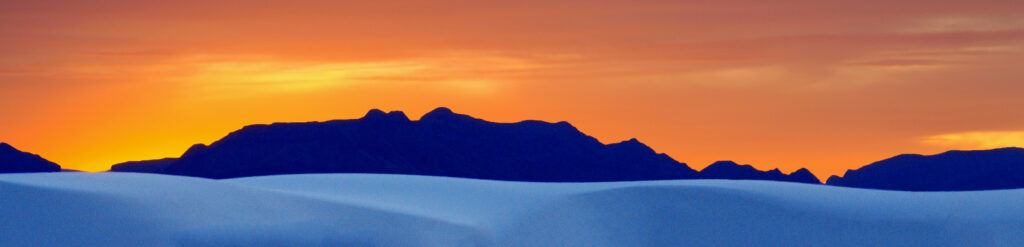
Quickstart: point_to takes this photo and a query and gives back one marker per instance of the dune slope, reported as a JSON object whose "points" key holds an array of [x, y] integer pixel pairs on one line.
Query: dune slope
{"points": [[130, 209]]}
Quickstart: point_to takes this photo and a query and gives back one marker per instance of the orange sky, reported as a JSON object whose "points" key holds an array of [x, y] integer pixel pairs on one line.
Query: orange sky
{"points": [[828, 85]]}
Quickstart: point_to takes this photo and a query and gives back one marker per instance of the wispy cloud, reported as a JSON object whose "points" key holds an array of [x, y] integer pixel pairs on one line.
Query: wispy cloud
{"points": [[283, 76], [978, 139], [235, 75]]}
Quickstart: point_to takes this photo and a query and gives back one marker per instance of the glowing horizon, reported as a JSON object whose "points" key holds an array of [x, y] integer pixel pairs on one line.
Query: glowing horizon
{"points": [[829, 86]]}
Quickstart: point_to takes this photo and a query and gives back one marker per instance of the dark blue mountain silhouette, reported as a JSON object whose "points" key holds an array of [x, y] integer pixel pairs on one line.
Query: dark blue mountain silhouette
{"points": [[13, 160], [441, 143], [731, 170], [146, 166], [950, 171]]}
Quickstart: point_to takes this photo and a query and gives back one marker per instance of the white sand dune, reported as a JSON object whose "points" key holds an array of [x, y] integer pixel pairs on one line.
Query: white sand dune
{"points": [[127, 209]]}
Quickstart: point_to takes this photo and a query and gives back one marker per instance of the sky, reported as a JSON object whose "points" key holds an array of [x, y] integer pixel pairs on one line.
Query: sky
{"points": [[824, 84]]}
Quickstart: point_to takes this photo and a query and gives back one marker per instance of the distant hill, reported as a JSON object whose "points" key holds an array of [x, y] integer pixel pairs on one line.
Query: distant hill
{"points": [[13, 160], [145, 166], [731, 170], [950, 171], [441, 143]]}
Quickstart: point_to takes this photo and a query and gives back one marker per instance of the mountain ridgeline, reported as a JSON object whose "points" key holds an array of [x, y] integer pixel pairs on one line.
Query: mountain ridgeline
{"points": [[731, 170], [950, 171], [441, 143], [13, 160], [444, 143]]}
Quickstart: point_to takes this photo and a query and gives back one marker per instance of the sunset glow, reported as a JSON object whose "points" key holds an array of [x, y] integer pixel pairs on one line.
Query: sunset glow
{"points": [[975, 140], [828, 85]]}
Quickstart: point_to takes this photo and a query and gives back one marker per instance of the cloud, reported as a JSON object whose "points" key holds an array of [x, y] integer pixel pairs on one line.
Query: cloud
{"points": [[960, 24], [233, 76], [978, 139], [284, 76]]}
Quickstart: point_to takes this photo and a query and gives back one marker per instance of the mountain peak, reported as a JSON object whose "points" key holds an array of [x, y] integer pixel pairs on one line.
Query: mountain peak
{"points": [[438, 112], [194, 150], [728, 166], [833, 180], [803, 172], [804, 175], [6, 147], [376, 114], [724, 163], [399, 115], [443, 114], [633, 145]]}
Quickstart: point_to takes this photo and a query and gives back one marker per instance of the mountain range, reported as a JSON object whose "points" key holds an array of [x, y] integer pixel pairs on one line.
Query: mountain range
{"points": [[440, 143], [444, 143]]}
